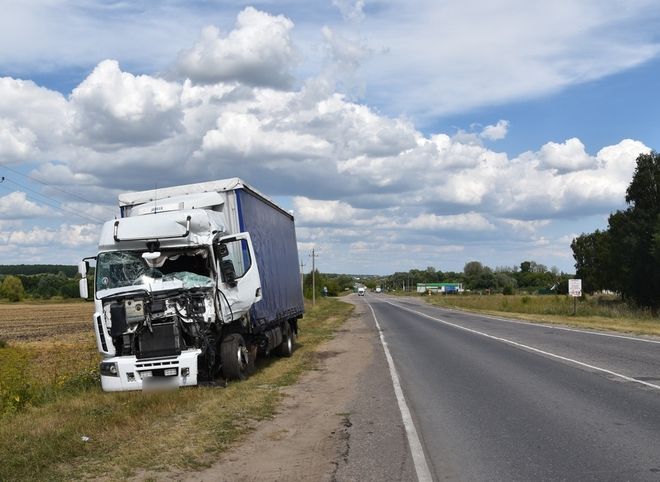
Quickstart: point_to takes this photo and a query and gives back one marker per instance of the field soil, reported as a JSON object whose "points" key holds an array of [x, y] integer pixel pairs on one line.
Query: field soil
{"points": [[28, 323], [308, 438]]}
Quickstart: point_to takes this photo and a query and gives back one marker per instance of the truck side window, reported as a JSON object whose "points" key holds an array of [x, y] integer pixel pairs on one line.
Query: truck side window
{"points": [[238, 255]]}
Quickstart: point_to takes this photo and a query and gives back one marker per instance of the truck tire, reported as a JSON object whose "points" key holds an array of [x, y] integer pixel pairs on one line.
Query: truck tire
{"points": [[235, 358], [288, 341]]}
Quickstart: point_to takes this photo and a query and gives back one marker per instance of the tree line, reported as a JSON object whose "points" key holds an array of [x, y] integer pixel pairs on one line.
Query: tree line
{"points": [[625, 257], [528, 276], [38, 286]]}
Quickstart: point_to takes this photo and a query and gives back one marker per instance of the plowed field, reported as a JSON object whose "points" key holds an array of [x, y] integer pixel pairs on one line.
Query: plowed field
{"points": [[22, 323]]}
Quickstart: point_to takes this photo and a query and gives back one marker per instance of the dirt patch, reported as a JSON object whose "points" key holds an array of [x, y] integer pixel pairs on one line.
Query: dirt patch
{"points": [[324, 355], [309, 436]]}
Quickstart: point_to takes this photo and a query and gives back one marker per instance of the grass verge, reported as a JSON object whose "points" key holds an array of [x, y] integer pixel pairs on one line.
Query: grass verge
{"points": [[85, 433], [592, 313]]}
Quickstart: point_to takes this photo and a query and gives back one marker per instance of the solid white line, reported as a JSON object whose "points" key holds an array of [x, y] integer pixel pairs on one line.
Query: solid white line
{"points": [[531, 348], [419, 460], [553, 327]]}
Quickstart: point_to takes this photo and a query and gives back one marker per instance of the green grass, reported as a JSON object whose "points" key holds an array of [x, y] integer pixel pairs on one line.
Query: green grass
{"points": [[605, 313], [128, 432]]}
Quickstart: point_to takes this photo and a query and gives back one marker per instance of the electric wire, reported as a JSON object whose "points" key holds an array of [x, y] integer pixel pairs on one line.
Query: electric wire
{"points": [[23, 186], [48, 185], [55, 188], [39, 201]]}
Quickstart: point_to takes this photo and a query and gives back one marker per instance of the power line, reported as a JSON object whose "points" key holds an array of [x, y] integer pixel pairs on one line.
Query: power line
{"points": [[48, 185], [53, 187], [65, 210], [58, 204]]}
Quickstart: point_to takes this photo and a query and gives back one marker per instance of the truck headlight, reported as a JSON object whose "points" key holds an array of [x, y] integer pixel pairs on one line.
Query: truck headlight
{"points": [[109, 369]]}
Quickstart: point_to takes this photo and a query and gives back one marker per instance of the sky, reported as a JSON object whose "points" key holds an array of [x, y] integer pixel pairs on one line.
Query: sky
{"points": [[402, 134]]}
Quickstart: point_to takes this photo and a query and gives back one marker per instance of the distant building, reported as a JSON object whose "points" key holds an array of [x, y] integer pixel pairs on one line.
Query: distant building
{"points": [[439, 287]]}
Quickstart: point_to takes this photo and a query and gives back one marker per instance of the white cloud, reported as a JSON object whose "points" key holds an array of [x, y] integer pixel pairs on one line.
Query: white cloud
{"points": [[33, 120], [16, 142], [17, 206], [257, 52], [351, 10], [325, 212], [513, 49], [67, 235], [115, 107], [566, 157], [495, 132], [470, 221], [527, 227], [245, 136]]}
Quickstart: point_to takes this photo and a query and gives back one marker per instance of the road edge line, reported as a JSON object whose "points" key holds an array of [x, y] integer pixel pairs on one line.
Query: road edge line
{"points": [[415, 445]]}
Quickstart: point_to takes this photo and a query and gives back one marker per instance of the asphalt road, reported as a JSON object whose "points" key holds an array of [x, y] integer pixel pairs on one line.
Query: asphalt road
{"points": [[498, 400]]}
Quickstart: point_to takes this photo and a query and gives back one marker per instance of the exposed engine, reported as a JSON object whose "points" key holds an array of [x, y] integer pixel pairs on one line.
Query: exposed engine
{"points": [[162, 324]]}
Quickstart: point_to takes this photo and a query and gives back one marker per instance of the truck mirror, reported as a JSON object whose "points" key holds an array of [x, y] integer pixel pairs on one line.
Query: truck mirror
{"points": [[82, 286], [223, 251], [228, 272], [83, 267]]}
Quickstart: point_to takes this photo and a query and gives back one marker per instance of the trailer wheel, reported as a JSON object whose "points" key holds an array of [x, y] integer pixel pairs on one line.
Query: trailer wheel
{"points": [[235, 357], [288, 341]]}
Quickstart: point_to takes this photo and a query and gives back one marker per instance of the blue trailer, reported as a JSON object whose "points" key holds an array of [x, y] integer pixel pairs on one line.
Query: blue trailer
{"points": [[192, 282]]}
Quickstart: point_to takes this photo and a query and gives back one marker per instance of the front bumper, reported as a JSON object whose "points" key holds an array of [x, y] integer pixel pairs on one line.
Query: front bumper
{"points": [[125, 373]]}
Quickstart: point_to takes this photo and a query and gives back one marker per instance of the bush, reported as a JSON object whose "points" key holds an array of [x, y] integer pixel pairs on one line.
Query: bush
{"points": [[507, 290], [12, 288]]}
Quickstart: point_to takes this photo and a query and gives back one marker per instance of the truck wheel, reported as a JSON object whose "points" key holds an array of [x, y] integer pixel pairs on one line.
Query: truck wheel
{"points": [[288, 340], [235, 357]]}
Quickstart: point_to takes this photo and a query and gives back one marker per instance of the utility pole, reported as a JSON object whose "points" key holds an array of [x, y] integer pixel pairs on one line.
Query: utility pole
{"points": [[302, 276], [314, 256]]}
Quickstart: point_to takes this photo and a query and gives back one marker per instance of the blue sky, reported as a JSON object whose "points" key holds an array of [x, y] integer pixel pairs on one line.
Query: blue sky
{"points": [[402, 134]]}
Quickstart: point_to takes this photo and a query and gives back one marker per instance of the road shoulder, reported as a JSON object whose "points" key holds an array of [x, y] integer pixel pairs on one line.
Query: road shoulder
{"points": [[339, 422]]}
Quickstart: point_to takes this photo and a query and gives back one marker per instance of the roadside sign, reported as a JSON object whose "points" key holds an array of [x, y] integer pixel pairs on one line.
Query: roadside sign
{"points": [[575, 287]]}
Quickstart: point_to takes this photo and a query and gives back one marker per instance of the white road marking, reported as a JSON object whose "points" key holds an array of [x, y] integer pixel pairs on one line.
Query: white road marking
{"points": [[419, 460], [553, 327], [531, 348]]}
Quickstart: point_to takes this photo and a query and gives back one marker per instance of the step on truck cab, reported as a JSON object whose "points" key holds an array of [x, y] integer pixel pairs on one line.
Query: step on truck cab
{"points": [[192, 282]]}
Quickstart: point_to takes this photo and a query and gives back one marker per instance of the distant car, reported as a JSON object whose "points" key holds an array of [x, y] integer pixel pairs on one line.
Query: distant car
{"points": [[378, 290], [360, 291]]}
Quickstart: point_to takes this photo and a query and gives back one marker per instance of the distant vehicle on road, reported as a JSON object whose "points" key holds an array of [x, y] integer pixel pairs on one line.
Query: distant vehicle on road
{"points": [[361, 291], [378, 290]]}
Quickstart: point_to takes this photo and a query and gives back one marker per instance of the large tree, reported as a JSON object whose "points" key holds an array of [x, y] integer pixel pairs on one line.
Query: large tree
{"points": [[626, 257], [592, 261], [635, 229]]}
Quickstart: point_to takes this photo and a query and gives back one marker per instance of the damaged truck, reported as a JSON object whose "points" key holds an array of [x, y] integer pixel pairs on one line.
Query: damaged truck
{"points": [[192, 283]]}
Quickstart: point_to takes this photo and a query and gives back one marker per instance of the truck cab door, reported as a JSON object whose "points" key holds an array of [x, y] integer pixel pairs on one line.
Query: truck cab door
{"points": [[239, 275]]}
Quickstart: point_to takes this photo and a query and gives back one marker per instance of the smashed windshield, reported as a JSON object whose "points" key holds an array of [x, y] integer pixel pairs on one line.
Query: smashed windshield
{"points": [[116, 269]]}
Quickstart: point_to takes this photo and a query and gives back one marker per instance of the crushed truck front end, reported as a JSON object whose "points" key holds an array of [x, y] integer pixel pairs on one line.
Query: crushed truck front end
{"points": [[157, 313]]}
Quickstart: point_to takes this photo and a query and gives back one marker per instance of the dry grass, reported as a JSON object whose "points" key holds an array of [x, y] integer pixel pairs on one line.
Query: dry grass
{"points": [[593, 313], [136, 431]]}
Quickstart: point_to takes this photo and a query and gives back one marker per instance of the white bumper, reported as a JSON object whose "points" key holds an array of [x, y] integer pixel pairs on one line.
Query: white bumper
{"points": [[154, 373]]}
